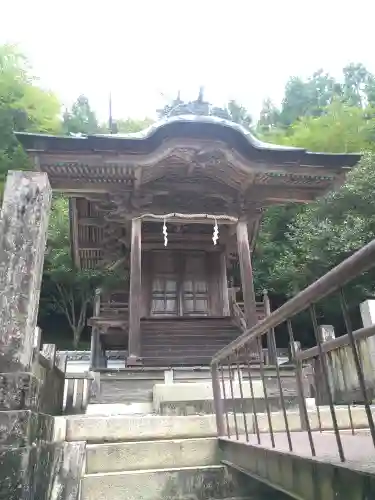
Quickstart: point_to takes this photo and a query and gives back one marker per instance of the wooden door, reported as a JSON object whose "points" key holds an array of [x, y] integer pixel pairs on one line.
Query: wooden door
{"points": [[179, 284], [194, 287], [165, 285]]}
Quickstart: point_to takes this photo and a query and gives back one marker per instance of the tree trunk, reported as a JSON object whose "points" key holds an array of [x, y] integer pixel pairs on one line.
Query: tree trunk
{"points": [[76, 336]]}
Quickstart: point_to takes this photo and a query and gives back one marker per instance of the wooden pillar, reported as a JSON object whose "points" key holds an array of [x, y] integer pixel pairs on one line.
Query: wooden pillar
{"points": [[135, 292], [224, 284], [244, 257]]}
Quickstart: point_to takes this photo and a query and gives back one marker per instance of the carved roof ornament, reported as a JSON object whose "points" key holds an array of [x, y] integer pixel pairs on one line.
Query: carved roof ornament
{"points": [[197, 107]]}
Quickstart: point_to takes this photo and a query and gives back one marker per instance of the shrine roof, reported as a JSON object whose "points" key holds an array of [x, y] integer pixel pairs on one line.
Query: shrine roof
{"points": [[195, 127]]}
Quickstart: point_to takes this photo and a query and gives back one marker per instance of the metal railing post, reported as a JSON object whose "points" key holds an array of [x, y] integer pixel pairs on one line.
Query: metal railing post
{"points": [[218, 402]]}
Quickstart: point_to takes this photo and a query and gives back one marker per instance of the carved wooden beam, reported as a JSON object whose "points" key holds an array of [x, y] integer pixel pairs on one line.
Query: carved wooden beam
{"points": [[83, 187]]}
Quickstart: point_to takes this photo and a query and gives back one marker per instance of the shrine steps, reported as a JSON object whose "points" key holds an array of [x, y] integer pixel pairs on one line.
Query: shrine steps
{"points": [[185, 341], [155, 458], [151, 455], [203, 482]]}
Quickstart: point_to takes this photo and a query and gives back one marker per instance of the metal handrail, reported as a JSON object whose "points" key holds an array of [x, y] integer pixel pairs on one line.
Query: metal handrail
{"points": [[358, 263]]}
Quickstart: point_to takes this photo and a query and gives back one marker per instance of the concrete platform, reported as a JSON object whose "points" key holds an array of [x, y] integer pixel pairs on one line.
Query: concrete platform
{"points": [[203, 483], [143, 455], [200, 391], [116, 428], [99, 429], [186, 398], [142, 408]]}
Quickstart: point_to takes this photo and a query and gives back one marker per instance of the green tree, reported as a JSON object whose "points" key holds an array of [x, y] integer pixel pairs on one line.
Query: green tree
{"points": [[357, 83], [303, 98], [24, 106], [297, 244], [80, 119], [269, 118], [329, 230], [297, 101], [239, 114], [131, 125], [67, 290], [340, 128]]}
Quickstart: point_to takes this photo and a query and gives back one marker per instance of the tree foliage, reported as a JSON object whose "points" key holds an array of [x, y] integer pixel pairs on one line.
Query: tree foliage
{"points": [[340, 128], [70, 291], [131, 125], [304, 98], [298, 244], [80, 119], [24, 106]]}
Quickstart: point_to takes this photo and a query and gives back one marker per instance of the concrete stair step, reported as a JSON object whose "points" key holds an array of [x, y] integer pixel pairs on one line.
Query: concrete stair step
{"points": [[144, 455], [203, 483], [101, 429]]}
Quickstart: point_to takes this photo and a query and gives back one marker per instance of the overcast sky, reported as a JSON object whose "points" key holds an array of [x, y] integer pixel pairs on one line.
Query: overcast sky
{"points": [[141, 49]]}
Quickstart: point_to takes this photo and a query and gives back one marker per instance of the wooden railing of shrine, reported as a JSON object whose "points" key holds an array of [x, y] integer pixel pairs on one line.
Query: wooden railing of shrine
{"points": [[237, 308], [263, 309], [114, 304]]}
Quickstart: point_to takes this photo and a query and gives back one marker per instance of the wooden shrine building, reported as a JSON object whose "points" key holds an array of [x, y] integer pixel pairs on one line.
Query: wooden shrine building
{"points": [[172, 204]]}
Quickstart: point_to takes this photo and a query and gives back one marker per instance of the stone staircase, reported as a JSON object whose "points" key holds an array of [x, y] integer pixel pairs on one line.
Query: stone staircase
{"points": [[156, 458]]}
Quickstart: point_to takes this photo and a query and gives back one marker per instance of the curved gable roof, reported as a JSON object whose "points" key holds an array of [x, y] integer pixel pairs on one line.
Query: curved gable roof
{"points": [[198, 127]]}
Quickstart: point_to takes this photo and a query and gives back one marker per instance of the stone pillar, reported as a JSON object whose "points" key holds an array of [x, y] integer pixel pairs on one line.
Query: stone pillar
{"points": [[366, 348], [294, 347], [135, 293], [23, 230], [246, 270], [367, 309], [326, 333]]}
